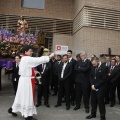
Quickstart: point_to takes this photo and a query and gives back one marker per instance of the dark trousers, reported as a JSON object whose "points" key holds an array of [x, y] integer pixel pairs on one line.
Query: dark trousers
{"points": [[113, 88], [107, 93], [52, 81], [72, 90], [82, 89], [15, 86], [43, 90], [97, 97], [56, 84], [118, 90], [64, 87], [112, 92]]}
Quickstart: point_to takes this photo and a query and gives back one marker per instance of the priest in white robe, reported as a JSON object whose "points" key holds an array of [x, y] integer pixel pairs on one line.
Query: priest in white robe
{"points": [[24, 100]]}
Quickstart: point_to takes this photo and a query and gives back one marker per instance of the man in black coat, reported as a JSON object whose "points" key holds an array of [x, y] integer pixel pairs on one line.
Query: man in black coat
{"points": [[82, 81], [72, 77], [52, 75], [15, 75], [43, 84], [113, 71], [98, 78], [55, 70], [65, 70], [15, 78], [118, 84]]}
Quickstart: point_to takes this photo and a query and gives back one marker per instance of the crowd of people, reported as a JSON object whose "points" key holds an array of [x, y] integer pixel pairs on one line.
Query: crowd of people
{"points": [[71, 80]]}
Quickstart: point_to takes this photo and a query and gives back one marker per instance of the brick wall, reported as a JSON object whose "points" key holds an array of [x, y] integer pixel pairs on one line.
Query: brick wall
{"points": [[53, 9], [112, 4], [62, 39], [95, 40]]}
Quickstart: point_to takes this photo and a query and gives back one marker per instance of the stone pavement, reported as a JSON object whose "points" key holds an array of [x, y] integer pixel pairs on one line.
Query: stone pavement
{"points": [[7, 97]]}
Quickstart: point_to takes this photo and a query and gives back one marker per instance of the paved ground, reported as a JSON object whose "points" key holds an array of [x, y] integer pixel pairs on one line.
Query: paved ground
{"points": [[7, 97]]}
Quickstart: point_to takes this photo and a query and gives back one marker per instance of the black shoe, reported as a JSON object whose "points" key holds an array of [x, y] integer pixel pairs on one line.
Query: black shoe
{"points": [[91, 116], [10, 111], [57, 105], [67, 107], [87, 110], [103, 118], [54, 94], [33, 119], [27, 118], [38, 104], [112, 104], [30, 118], [76, 108], [72, 103], [47, 105], [14, 114]]}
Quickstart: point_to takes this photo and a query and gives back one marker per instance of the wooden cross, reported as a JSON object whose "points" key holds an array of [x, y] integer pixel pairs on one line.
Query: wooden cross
{"points": [[109, 53]]}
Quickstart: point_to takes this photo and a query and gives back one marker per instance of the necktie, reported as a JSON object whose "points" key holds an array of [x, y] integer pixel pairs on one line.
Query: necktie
{"points": [[95, 72], [111, 69], [17, 66]]}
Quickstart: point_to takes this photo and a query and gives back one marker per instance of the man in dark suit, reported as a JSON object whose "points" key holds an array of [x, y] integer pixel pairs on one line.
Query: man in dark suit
{"points": [[43, 86], [15, 78], [98, 78], [118, 84], [72, 77], [52, 75], [82, 81], [55, 70], [113, 71], [15, 75], [65, 70]]}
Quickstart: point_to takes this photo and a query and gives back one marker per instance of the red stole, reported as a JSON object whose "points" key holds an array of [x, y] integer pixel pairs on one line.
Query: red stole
{"points": [[32, 82]]}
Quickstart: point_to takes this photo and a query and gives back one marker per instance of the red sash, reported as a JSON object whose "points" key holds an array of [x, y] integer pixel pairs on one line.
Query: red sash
{"points": [[33, 83]]}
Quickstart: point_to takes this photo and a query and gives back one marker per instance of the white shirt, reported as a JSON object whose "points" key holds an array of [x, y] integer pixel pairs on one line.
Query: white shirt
{"points": [[85, 59], [99, 64], [53, 60], [59, 62], [107, 64], [70, 59], [17, 64], [62, 73], [112, 67]]}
